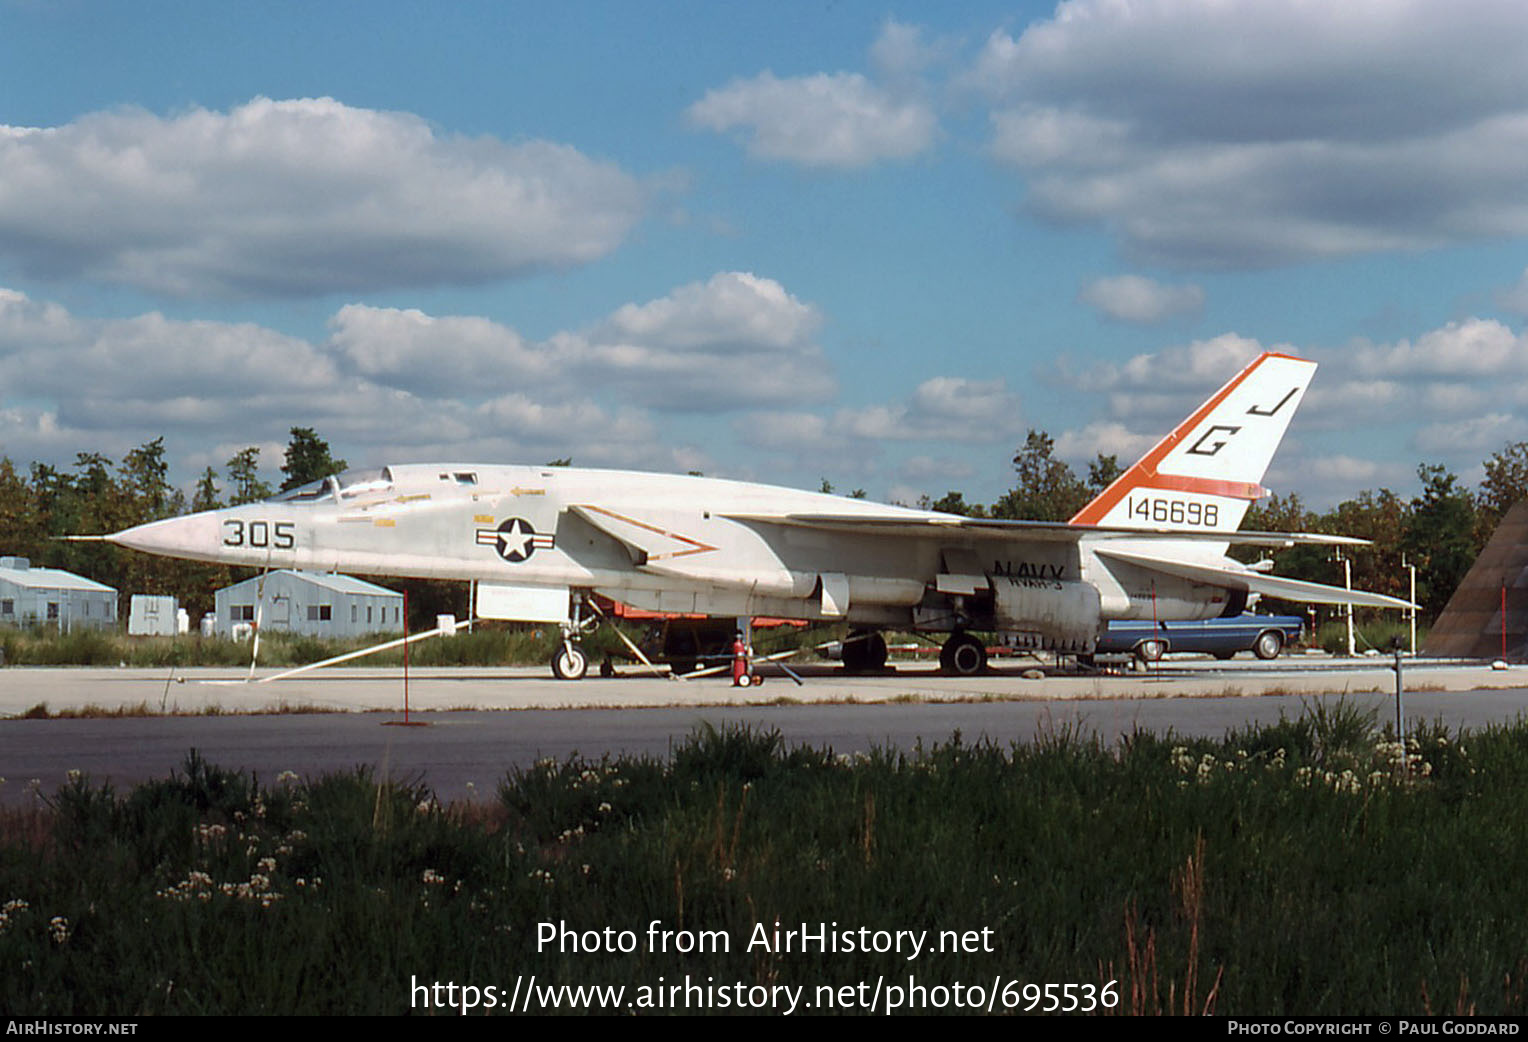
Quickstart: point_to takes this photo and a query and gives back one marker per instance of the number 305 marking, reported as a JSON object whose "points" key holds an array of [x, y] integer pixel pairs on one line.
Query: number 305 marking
{"points": [[278, 535]]}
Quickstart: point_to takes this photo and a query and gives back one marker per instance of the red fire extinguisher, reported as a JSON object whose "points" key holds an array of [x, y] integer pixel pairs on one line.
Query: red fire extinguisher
{"points": [[739, 662]]}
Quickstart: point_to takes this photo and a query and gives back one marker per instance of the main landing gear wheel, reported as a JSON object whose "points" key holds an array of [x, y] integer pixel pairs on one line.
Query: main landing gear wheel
{"points": [[864, 652], [1268, 644], [963, 655], [570, 662]]}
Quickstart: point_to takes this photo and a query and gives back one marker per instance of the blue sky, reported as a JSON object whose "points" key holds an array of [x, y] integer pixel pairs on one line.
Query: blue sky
{"points": [[784, 243]]}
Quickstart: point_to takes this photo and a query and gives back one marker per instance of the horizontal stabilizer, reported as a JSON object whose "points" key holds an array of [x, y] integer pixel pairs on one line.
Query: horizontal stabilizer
{"points": [[912, 524], [1255, 582]]}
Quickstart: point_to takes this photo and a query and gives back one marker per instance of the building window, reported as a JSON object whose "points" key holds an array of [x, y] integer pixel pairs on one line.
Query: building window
{"points": [[243, 613], [52, 610], [320, 613], [7, 607], [368, 614], [354, 612]]}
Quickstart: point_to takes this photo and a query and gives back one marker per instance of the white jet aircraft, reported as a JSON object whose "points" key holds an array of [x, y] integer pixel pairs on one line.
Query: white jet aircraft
{"points": [[540, 540]]}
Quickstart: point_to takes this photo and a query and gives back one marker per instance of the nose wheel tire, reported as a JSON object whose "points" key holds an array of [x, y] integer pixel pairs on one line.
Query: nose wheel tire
{"points": [[570, 663]]}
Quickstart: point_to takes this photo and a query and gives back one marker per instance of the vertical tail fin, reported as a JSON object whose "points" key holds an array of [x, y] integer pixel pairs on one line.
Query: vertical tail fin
{"points": [[1205, 473]]}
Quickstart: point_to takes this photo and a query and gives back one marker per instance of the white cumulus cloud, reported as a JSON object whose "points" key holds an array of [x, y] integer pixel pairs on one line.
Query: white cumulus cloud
{"points": [[1239, 133], [400, 383], [839, 120], [1137, 299], [736, 340], [827, 120], [298, 198]]}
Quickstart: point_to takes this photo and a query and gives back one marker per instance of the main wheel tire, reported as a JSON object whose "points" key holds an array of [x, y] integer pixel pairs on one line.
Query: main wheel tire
{"points": [[864, 652], [855, 653], [964, 656], [875, 652], [1269, 644], [1151, 650], [570, 663]]}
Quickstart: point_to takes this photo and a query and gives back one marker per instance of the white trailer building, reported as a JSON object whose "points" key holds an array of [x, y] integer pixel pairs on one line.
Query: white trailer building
{"points": [[150, 615], [51, 597], [315, 604]]}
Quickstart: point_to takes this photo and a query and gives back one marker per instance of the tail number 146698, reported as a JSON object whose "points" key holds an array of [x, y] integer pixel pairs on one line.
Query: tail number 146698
{"points": [[1174, 511]]}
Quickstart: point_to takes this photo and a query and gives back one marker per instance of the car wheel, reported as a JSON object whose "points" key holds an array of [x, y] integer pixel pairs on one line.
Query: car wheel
{"points": [[1151, 650], [1269, 644]]}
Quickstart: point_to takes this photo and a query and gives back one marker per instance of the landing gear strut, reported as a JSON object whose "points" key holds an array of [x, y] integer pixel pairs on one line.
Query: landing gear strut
{"points": [[963, 655]]}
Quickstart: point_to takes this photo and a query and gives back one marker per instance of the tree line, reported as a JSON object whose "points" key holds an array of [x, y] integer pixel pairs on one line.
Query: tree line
{"points": [[97, 496]]}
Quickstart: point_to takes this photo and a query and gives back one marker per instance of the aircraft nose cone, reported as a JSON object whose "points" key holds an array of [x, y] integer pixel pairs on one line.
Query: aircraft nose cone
{"points": [[193, 536]]}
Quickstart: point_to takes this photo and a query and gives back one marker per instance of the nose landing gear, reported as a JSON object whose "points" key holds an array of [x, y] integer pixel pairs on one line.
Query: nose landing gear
{"points": [[569, 661]]}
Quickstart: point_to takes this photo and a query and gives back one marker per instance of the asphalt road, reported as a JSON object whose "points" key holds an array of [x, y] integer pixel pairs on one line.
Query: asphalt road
{"points": [[464, 754]]}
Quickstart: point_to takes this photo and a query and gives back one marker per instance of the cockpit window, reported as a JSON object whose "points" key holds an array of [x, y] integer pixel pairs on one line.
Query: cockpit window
{"points": [[313, 490], [339, 487]]}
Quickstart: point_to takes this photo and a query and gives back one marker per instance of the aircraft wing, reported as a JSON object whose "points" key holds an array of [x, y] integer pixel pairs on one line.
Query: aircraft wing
{"points": [[1045, 531], [1255, 582]]}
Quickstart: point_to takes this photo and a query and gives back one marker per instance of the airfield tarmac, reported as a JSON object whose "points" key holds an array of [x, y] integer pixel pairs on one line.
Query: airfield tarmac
{"points": [[337, 719], [206, 691]]}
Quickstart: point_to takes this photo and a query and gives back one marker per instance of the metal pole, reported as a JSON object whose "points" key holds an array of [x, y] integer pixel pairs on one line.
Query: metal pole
{"points": [[405, 657], [1411, 612], [1347, 581], [1400, 714]]}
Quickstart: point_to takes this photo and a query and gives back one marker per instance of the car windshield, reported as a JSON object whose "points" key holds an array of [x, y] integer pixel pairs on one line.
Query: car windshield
{"points": [[349, 485]]}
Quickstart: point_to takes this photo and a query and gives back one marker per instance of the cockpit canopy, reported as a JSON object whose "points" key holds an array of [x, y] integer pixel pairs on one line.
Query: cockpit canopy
{"points": [[340, 488]]}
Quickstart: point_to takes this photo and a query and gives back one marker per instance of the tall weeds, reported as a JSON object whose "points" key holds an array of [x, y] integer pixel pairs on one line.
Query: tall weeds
{"points": [[1286, 869]]}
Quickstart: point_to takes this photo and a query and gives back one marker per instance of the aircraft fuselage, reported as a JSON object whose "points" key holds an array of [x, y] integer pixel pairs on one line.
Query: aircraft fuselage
{"points": [[687, 544]]}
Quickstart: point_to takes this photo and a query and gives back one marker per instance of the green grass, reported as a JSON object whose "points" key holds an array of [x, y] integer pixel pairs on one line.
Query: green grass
{"points": [[487, 646], [1377, 634], [1293, 868], [492, 644]]}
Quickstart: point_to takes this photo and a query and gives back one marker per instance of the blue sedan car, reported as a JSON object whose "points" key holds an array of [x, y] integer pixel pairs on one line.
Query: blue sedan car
{"points": [[1263, 635]]}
